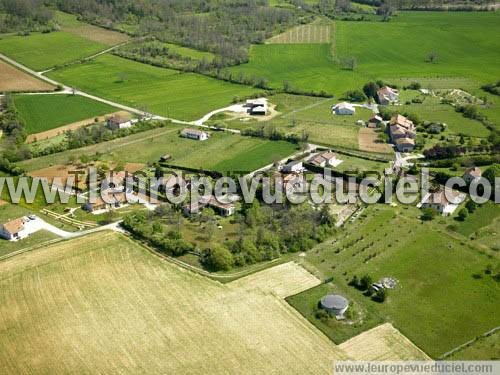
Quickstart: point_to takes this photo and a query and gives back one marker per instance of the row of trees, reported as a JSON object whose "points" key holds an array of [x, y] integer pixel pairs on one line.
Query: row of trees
{"points": [[12, 147]]}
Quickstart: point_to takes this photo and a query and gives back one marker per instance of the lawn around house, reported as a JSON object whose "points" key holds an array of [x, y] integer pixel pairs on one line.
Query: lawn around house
{"points": [[483, 216], [45, 112], [42, 51], [222, 152], [433, 111], [435, 281], [166, 92], [312, 116]]}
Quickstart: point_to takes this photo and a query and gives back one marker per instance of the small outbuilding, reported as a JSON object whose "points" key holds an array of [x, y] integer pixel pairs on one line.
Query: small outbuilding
{"points": [[334, 304]]}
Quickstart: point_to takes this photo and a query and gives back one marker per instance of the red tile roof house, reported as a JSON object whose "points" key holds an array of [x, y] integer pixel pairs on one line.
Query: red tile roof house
{"points": [[440, 202], [387, 95], [224, 209], [405, 144], [472, 174], [13, 230], [118, 122], [402, 132]]}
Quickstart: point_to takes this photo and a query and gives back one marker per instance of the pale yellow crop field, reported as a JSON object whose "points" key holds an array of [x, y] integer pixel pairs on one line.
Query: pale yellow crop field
{"points": [[103, 304], [382, 343]]}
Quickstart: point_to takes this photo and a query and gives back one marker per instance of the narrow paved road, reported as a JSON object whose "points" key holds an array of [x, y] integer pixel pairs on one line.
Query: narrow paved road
{"points": [[39, 224], [67, 89]]}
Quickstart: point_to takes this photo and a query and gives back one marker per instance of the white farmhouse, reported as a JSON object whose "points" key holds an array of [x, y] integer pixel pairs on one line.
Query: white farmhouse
{"points": [[293, 167], [195, 134], [13, 230], [344, 109]]}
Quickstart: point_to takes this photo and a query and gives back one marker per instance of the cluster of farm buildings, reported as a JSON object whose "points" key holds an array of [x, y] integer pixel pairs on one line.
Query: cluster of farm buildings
{"points": [[401, 130]]}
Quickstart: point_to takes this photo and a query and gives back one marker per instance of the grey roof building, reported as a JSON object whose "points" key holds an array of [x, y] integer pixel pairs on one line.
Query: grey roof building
{"points": [[334, 304]]}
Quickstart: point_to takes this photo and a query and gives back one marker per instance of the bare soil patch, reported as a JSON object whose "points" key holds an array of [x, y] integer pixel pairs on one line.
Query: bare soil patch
{"points": [[14, 80], [62, 172], [73, 126], [368, 141], [98, 34], [133, 167], [272, 113]]}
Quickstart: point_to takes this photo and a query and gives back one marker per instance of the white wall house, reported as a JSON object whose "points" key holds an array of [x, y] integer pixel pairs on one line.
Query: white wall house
{"points": [[257, 107], [195, 134], [13, 230], [344, 109], [293, 167]]}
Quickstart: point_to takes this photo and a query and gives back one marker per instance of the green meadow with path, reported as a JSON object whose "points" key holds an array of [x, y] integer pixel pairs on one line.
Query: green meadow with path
{"points": [[40, 51], [165, 92]]}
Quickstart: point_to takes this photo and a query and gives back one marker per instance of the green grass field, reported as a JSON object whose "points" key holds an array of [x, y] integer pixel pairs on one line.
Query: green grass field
{"points": [[484, 349], [383, 51], [222, 152], [434, 303], [43, 51], [45, 112], [303, 114], [483, 216], [190, 52], [185, 96], [308, 67]]}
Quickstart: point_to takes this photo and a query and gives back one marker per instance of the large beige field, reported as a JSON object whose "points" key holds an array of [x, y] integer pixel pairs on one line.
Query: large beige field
{"points": [[13, 80], [103, 304]]}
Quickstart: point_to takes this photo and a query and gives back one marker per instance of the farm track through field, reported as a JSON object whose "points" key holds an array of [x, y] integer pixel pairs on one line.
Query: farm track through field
{"points": [[291, 114], [67, 89]]}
